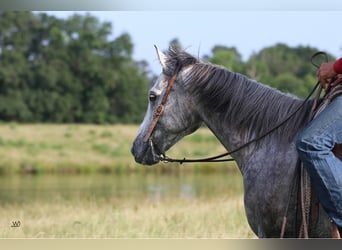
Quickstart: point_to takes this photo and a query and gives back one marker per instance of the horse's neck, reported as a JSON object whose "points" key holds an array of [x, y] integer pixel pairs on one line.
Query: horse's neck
{"points": [[230, 137], [233, 136], [238, 110]]}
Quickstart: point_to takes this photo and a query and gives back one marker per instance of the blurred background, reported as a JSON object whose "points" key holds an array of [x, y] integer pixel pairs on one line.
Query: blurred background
{"points": [[73, 90]]}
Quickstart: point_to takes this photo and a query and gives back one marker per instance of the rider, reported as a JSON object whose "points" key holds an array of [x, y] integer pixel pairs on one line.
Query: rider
{"points": [[315, 144]]}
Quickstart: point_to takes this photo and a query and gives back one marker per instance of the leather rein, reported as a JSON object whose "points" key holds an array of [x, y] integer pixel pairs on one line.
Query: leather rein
{"points": [[218, 158]]}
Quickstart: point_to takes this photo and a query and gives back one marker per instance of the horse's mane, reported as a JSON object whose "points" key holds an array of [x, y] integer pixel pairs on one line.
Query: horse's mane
{"points": [[243, 102]]}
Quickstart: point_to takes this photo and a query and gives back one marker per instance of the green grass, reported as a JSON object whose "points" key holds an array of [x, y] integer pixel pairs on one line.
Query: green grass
{"points": [[48, 148]]}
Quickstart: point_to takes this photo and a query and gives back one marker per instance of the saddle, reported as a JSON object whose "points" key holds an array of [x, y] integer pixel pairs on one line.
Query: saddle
{"points": [[309, 198]]}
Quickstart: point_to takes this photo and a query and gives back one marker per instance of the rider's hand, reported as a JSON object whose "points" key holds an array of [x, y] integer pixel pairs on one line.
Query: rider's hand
{"points": [[327, 76], [336, 80]]}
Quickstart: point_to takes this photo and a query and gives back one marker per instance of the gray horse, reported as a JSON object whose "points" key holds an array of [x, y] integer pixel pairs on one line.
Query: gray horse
{"points": [[237, 110]]}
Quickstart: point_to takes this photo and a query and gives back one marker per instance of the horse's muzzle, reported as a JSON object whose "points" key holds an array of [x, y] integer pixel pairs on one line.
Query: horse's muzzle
{"points": [[145, 152]]}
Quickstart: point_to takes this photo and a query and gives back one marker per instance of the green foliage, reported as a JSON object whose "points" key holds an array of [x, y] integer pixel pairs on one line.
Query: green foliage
{"points": [[55, 70], [228, 57], [280, 66], [285, 68]]}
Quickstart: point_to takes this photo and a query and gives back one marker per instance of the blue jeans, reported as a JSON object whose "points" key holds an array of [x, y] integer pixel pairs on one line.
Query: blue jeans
{"points": [[314, 145]]}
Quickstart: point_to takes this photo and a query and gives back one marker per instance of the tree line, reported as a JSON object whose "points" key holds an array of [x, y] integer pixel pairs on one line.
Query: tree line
{"points": [[57, 70]]}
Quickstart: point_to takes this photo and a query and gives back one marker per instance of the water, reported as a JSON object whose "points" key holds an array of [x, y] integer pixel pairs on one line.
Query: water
{"points": [[150, 186]]}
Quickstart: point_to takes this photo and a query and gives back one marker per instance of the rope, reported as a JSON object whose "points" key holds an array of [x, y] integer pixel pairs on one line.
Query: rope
{"points": [[305, 203]]}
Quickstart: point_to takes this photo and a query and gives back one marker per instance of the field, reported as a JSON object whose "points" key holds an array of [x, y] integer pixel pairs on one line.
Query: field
{"points": [[40, 148], [95, 151], [170, 219]]}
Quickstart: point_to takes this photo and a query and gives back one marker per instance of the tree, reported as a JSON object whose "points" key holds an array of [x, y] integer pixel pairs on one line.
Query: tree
{"points": [[286, 68], [228, 57], [56, 70], [176, 43]]}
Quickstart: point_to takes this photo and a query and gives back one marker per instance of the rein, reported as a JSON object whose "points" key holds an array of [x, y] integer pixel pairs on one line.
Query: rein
{"points": [[219, 158]]}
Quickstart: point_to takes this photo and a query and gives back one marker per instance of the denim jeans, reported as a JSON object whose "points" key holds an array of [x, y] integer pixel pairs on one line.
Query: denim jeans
{"points": [[314, 145]]}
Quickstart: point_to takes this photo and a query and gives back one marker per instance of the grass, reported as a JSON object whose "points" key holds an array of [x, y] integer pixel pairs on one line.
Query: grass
{"points": [[217, 218], [37, 148]]}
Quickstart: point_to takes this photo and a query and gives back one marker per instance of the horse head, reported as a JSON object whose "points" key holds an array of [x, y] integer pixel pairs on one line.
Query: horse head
{"points": [[170, 110]]}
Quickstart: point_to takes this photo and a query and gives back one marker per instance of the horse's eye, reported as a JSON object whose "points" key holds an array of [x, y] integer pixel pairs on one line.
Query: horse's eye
{"points": [[152, 97]]}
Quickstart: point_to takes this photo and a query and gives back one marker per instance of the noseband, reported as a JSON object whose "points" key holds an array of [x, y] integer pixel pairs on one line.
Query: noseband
{"points": [[159, 110]]}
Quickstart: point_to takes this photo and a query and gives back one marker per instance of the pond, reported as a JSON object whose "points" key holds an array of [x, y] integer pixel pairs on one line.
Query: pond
{"points": [[138, 205], [146, 186]]}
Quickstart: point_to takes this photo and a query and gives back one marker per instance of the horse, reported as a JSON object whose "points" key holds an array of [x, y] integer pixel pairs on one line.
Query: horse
{"points": [[237, 110]]}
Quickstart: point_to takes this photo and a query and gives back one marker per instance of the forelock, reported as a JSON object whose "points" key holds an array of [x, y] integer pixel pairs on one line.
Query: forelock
{"points": [[177, 59]]}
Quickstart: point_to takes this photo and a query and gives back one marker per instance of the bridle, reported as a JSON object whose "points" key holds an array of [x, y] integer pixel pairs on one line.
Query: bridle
{"points": [[220, 158], [159, 110]]}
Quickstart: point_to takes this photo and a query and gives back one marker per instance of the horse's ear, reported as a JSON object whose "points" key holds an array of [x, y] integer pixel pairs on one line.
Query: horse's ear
{"points": [[161, 57]]}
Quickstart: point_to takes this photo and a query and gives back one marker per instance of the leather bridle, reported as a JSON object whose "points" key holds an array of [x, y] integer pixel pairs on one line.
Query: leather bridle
{"points": [[159, 110]]}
